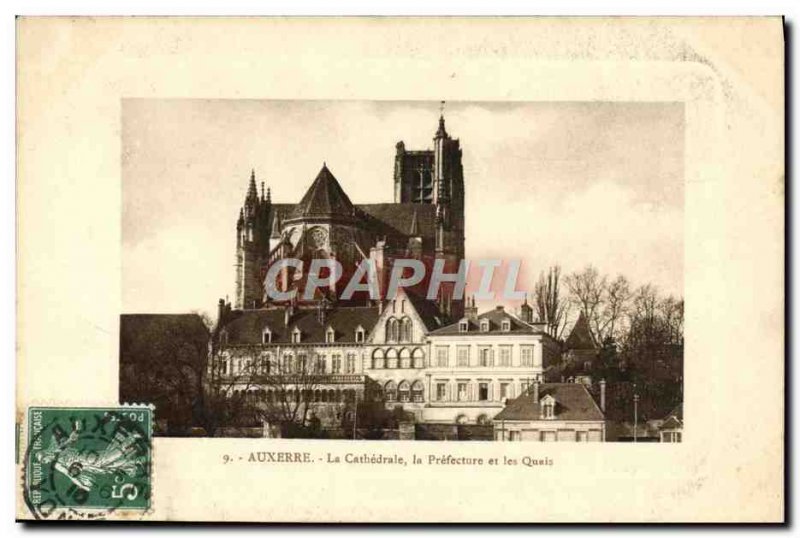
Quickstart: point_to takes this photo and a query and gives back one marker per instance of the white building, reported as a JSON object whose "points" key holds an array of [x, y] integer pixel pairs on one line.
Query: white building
{"points": [[481, 361]]}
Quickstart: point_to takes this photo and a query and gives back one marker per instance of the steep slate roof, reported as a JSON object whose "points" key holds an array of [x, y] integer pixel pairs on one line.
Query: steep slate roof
{"points": [[396, 219], [144, 336], [495, 318], [573, 402], [581, 336], [249, 325], [427, 310], [324, 198]]}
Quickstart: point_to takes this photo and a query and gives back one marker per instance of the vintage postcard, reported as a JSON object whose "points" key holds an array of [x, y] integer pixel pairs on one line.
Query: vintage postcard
{"points": [[400, 270]]}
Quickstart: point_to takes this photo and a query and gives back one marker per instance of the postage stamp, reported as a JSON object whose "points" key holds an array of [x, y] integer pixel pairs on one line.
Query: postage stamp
{"points": [[87, 462]]}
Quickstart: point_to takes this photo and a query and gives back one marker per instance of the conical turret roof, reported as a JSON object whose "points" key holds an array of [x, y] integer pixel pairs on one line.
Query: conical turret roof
{"points": [[581, 335], [324, 198]]}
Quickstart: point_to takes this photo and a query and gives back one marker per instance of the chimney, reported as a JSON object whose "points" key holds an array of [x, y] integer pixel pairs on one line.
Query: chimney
{"points": [[603, 395], [536, 391], [471, 311], [380, 306], [220, 312], [287, 314]]}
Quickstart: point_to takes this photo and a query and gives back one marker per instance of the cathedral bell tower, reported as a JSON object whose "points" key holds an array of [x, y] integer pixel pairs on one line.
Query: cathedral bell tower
{"points": [[252, 245]]}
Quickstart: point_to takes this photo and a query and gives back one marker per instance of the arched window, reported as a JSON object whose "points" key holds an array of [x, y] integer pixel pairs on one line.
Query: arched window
{"points": [[391, 358], [266, 336], [390, 390], [483, 419], [406, 330], [462, 419], [417, 392], [418, 357], [404, 391], [377, 359], [405, 358]]}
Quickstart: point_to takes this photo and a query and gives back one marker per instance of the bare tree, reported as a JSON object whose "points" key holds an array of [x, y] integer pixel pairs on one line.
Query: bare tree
{"points": [[613, 308], [550, 306], [587, 288]]}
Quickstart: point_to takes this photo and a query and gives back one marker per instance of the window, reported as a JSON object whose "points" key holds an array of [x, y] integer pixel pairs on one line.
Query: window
{"points": [[336, 363], [463, 355], [266, 336], [506, 325], [350, 365], [548, 437], [320, 366], [223, 367], [417, 392], [463, 326], [302, 364], [377, 359], [504, 391], [670, 437], [390, 390], [441, 392], [548, 409], [441, 356], [505, 355], [404, 392], [360, 334], [514, 436], [266, 363], [526, 356], [296, 336], [418, 358], [393, 330], [406, 330], [462, 392], [483, 391], [583, 437], [484, 325], [391, 358], [330, 335], [485, 356], [405, 358], [287, 365]]}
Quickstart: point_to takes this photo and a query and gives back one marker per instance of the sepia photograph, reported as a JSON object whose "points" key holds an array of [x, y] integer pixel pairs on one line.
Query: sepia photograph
{"points": [[558, 319]]}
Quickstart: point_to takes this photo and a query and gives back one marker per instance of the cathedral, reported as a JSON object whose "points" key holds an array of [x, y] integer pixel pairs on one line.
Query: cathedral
{"points": [[425, 222]]}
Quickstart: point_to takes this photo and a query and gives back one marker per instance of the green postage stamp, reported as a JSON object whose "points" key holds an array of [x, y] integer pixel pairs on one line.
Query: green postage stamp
{"points": [[87, 462]]}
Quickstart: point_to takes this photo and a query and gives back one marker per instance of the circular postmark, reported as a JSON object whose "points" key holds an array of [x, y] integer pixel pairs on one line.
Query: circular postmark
{"points": [[86, 463]]}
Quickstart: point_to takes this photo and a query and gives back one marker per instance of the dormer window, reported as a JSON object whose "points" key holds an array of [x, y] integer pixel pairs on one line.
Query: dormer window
{"points": [[330, 335], [548, 405], [506, 325], [360, 334], [296, 336], [266, 336], [484, 325], [463, 326]]}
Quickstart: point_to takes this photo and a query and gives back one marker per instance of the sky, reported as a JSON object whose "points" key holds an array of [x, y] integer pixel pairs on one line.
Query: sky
{"points": [[546, 183]]}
